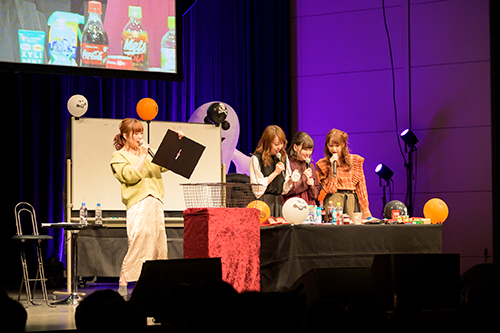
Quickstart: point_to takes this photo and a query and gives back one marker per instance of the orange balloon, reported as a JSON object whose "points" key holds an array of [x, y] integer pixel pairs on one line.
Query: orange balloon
{"points": [[147, 109], [437, 210], [265, 212]]}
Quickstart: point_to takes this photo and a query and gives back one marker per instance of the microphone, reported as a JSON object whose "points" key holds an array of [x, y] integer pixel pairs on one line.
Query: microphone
{"points": [[335, 167], [149, 150], [308, 162], [278, 156]]}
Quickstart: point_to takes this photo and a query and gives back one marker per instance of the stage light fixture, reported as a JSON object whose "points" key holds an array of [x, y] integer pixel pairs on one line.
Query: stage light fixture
{"points": [[409, 137], [384, 172]]}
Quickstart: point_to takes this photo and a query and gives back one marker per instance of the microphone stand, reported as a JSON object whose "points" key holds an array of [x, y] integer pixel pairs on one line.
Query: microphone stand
{"points": [[148, 122], [409, 177], [384, 197]]}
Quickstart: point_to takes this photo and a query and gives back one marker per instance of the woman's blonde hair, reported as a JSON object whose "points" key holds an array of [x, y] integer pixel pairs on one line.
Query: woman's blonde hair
{"points": [[267, 138], [128, 126]]}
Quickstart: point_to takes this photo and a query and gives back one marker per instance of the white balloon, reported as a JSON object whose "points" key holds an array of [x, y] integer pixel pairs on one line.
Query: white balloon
{"points": [[295, 210], [77, 105]]}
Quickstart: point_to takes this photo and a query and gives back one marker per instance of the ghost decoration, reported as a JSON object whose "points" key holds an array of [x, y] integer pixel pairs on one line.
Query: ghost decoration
{"points": [[229, 136], [77, 105]]}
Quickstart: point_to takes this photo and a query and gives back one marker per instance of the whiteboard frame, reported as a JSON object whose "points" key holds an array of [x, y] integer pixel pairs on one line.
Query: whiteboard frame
{"points": [[92, 145]]}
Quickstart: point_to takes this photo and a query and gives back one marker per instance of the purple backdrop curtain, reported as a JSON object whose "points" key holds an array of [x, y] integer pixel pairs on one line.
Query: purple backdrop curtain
{"points": [[234, 51]]}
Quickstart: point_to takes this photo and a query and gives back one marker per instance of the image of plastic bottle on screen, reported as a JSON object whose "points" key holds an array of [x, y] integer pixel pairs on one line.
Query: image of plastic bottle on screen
{"points": [[63, 38], [270, 168], [155, 21], [168, 47], [341, 175], [95, 43], [135, 40], [142, 193], [306, 183]]}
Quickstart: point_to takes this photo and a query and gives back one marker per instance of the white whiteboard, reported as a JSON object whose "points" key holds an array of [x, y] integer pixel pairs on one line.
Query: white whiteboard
{"points": [[92, 146]]}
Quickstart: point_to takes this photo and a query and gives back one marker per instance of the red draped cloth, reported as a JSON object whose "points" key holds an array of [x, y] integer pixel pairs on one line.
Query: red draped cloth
{"points": [[232, 234]]}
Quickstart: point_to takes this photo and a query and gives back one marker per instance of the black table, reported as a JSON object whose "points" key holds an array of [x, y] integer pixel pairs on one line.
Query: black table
{"points": [[101, 250], [289, 251]]}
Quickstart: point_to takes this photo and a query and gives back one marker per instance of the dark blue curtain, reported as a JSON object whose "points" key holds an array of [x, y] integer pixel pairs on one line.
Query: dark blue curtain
{"points": [[234, 51]]}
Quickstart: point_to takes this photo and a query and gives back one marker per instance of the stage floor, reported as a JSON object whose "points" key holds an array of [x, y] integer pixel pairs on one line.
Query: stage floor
{"points": [[42, 318]]}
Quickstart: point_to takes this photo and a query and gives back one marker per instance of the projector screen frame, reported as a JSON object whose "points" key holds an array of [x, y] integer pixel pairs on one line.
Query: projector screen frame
{"points": [[11, 66]]}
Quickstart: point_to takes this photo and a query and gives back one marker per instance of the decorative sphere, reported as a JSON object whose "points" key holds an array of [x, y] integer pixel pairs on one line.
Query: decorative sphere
{"points": [[225, 125], [265, 212], [217, 112], [77, 105], [295, 210], [394, 205], [147, 109], [436, 210]]}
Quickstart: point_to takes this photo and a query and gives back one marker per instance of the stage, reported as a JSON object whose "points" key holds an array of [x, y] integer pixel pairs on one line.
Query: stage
{"points": [[287, 252]]}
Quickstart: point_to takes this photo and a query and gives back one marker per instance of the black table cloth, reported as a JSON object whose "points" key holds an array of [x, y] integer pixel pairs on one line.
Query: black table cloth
{"points": [[286, 251], [289, 251]]}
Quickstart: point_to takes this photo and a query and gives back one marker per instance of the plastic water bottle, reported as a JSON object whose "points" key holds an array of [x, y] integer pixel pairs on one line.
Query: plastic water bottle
{"points": [[323, 214], [333, 213], [83, 214], [339, 213], [329, 216], [317, 217], [98, 214]]}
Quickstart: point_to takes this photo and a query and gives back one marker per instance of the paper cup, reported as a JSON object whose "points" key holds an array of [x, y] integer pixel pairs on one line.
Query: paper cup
{"points": [[357, 218]]}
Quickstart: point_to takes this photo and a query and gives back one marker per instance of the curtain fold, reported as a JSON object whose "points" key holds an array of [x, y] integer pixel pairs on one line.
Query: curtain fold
{"points": [[234, 51]]}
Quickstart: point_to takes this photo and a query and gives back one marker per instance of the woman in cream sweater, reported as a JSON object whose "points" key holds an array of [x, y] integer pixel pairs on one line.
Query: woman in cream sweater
{"points": [[142, 193]]}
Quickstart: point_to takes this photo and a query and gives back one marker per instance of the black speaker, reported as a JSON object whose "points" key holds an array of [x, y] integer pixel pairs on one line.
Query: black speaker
{"points": [[338, 284], [487, 274], [158, 276], [437, 273]]}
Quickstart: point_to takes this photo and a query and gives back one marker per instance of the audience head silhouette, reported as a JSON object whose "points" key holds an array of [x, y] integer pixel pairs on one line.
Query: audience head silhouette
{"points": [[106, 311], [13, 315]]}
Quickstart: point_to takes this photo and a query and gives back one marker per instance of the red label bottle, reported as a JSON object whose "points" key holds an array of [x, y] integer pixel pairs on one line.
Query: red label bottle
{"points": [[135, 39], [95, 44]]}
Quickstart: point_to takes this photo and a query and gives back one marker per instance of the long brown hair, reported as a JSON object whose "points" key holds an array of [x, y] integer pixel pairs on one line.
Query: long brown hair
{"points": [[301, 138], [339, 137], [128, 126], [267, 138]]}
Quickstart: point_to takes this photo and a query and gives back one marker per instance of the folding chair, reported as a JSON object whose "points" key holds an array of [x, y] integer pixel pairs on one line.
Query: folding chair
{"points": [[36, 238]]}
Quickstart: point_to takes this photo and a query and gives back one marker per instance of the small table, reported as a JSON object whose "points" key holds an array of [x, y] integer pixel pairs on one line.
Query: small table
{"points": [[74, 228], [232, 234]]}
